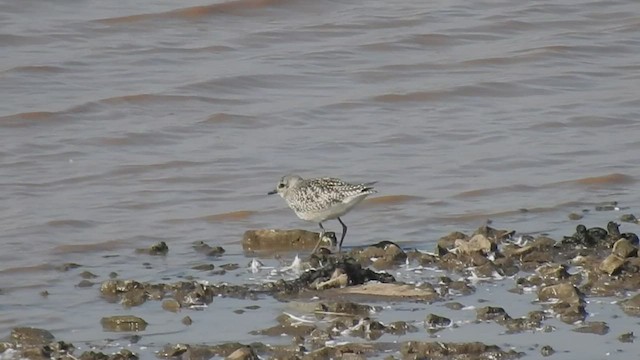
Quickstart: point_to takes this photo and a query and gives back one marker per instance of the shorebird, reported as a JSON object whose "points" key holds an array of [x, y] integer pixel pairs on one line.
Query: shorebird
{"points": [[321, 199]]}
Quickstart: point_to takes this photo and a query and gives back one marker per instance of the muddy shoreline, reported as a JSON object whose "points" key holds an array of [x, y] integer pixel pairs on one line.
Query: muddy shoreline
{"points": [[340, 298]]}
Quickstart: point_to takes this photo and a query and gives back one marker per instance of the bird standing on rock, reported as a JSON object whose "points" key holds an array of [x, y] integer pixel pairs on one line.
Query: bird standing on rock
{"points": [[322, 199]]}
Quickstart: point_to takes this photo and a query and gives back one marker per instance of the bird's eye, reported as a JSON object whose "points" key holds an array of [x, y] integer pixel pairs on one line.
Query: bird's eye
{"points": [[280, 186]]}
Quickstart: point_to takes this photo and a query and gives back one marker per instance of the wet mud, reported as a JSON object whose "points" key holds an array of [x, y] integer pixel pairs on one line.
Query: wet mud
{"points": [[341, 295]]}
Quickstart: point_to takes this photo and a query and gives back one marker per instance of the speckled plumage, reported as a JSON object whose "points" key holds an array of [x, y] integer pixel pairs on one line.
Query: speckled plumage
{"points": [[321, 199]]}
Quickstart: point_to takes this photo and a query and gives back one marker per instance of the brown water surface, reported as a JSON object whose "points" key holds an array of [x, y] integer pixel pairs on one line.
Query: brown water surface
{"points": [[123, 124]]}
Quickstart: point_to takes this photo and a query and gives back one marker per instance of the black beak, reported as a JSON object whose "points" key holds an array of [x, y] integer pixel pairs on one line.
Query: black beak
{"points": [[272, 192]]}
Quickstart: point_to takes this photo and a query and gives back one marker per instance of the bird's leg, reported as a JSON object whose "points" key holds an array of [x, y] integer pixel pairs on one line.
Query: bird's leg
{"points": [[344, 232], [320, 239]]}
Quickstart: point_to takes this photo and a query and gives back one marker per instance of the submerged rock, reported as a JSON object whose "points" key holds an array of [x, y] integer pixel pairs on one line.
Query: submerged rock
{"points": [[160, 248], [283, 240], [123, 323]]}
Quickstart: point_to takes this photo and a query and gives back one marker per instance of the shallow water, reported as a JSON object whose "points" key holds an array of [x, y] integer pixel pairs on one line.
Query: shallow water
{"points": [[124, 124]]}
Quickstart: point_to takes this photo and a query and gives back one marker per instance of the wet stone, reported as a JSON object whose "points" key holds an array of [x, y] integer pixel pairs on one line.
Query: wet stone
{"points": [[88, 275], [546, 351], [454, 306], [386, 255], [594, 327], [490, 313], [626, 337], [623, 248], [243, 353], [123, 323], [230, 267], [612, 264], [345, 308], [629, 218], [171, 305], [400, 328], [565, 292], [173, 351], [631, 306], [440, 350], [160, 248], [204, 267], [85, 283], [31, 336], [434, 321], [68, 266], [575, 216], [279, 240]]}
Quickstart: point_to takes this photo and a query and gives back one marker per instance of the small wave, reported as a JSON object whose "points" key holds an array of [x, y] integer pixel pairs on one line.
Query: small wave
{"points": [[391, 200], [71, 223], [109, 245], [611, 179], [190, 13], [230, 216]]}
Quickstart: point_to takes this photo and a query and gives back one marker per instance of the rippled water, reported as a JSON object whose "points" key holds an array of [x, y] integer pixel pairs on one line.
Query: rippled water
{"points": [[127, 123]]}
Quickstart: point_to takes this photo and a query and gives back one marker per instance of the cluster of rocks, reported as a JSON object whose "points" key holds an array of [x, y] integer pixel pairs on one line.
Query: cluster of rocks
{"points": [[591, 262]]}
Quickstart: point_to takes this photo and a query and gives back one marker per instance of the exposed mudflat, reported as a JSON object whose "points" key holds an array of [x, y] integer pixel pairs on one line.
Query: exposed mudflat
{"points": [[484, 295]]}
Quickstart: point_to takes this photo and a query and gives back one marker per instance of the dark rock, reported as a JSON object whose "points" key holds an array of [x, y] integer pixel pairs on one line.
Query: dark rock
{"points": [[160, 248], [631, 306], [546, 351], [31, 336], [204, 267], [594, 327], [88, 275], [434, 321], [243, 353], [626, 337], [491, 313], [629, 218]]}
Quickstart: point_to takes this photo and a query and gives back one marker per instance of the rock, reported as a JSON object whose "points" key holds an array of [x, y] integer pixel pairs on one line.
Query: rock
{"points": [[88, 275], [123, 323], [491, 313], [187, 320], [442, 350], [478, 243], [623, 248], [546, 351], [85, 283], [338, 279], [243, 353], [160, 248], [171, 305], [629, 218], [626, 337], [631, 306], [575, 216], [204, 267], [385, 255], [389, 291], [495, 235], [553, 272], [400, 328], [594, 327], [31, 336], [565, 292], [279, 240], [446, 243], [612, 264], [434, 321], [344, 308]]}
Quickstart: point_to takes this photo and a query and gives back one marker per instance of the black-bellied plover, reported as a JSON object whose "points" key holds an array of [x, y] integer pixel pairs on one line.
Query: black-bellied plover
{"points": [[321, 199]]}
